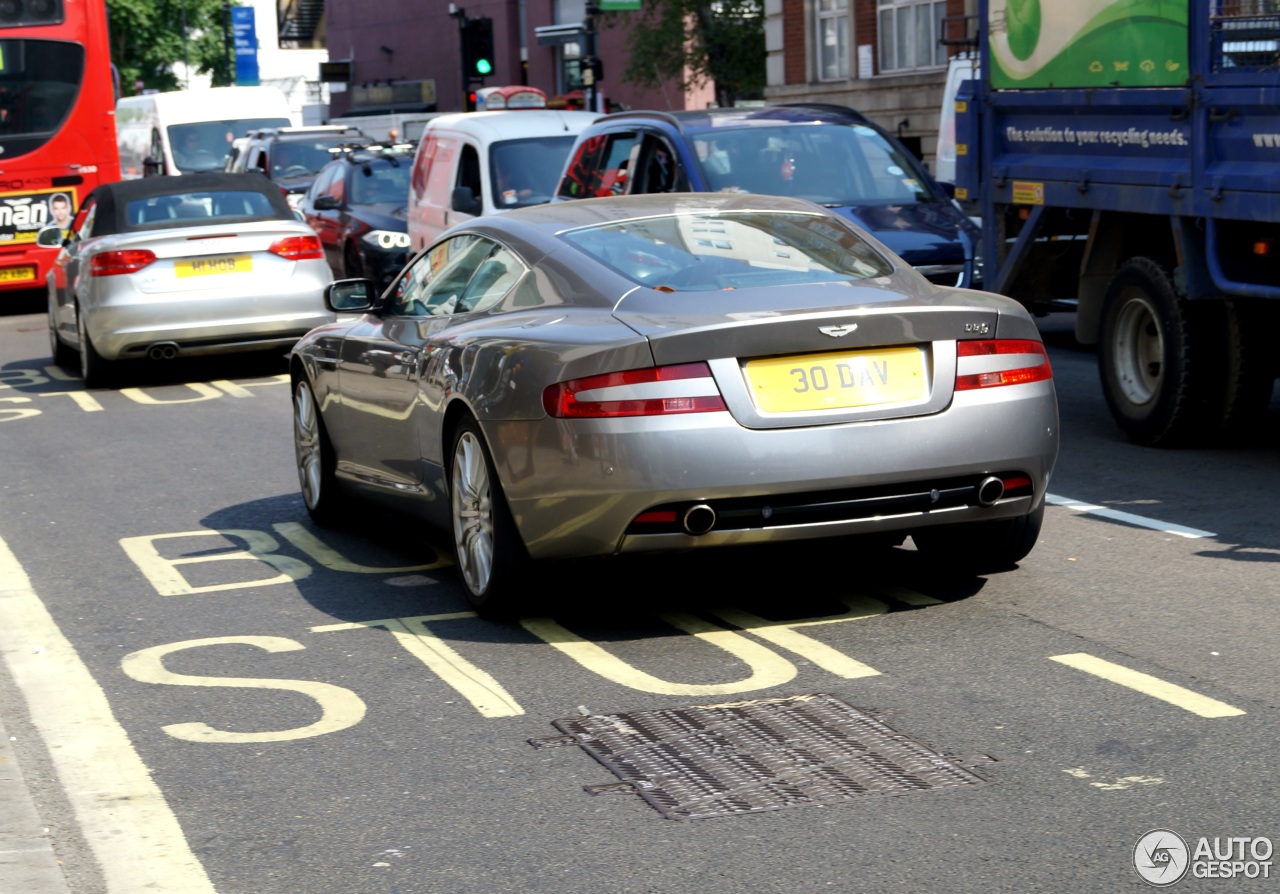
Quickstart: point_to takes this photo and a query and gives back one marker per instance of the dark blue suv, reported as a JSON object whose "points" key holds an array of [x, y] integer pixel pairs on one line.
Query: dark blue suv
{"points": [[830, 155]]}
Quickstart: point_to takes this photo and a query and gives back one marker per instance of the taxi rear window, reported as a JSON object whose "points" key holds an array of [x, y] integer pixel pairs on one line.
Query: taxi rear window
{"points": [[701, 252]]}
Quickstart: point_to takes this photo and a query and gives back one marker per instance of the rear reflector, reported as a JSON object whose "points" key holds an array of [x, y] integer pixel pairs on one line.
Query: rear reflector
{"points": [[653, 391], [298, 248], [1001, 366], [114, 263]]}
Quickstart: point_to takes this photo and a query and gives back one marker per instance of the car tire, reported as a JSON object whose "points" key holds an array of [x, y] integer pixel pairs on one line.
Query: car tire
{"points": [[1160, 357], [94, 369], [980, 547], [490, 556], [316, 460], [352, 265]]}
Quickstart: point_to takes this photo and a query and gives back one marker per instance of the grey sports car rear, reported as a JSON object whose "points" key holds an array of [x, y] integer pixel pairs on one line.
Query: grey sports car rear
{"points": [[675, 371]]}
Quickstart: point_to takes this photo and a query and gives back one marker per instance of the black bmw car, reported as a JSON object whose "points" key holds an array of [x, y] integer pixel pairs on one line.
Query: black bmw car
{"points": [[357, 207]]}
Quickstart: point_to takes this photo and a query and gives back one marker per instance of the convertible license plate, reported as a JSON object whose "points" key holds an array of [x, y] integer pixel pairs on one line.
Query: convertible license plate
{"points": [[17, 274], [837, 380], [214, 266]]}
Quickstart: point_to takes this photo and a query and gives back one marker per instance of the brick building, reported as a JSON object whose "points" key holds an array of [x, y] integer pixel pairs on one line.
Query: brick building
{"points": [[882, 57]]}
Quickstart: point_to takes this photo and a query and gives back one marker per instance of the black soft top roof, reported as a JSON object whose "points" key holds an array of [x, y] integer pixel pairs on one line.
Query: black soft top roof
{"points": [[114, 198]]}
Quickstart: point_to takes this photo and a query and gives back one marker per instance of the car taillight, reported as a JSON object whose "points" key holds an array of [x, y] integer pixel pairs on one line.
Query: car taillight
{"points": [[297, 248], [654, 391], [114, 263], [1005, 361]]}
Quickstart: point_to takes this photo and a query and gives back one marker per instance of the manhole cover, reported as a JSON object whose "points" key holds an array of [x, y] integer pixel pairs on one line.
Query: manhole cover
{"points": [[767, 754]]}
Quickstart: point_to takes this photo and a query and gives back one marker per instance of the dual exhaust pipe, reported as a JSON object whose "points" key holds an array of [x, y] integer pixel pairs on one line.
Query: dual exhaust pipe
{"points": [[162, 350], [701, 518]]}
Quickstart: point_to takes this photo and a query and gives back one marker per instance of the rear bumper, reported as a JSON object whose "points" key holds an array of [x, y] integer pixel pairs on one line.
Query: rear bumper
{"points": [[125, 326], [576, 486]]}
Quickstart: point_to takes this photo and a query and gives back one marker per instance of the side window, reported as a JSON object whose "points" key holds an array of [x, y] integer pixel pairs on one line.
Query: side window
{"points": [[436, 280], [659, 169], [617, 166], [337, 187], [422, 166], [82, 226], [492, 280], [576, 183], [469, 171], [321, 183]]}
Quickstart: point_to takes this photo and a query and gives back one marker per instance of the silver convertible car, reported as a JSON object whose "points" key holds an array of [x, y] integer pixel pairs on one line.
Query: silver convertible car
{"points": [[170, 267], [676, 371]]}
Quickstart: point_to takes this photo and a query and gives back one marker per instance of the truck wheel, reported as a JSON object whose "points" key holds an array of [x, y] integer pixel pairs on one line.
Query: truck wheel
{"points": [[1160, 357], [1250, 370]]}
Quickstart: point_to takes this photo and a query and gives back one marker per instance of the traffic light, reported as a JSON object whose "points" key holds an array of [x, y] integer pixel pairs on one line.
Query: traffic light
{"points": [[477, 48]]}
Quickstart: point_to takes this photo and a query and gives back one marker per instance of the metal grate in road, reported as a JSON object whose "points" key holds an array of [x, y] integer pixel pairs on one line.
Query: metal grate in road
{"points": [[766, 754]]}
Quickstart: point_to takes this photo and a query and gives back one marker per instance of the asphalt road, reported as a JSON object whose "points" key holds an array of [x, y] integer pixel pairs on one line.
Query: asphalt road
{"points": [[207, 693]]}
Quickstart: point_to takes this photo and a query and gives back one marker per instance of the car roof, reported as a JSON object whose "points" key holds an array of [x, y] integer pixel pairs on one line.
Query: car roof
{"points": [[695, 120], [512, 125], [556, 217], [113, 198]]}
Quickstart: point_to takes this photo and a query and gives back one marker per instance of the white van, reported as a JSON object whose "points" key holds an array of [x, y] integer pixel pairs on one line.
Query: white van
{"points": [[191, 130], [475, 163]]}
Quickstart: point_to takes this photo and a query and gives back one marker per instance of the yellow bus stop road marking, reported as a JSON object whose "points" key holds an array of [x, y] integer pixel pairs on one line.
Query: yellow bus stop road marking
{"points": [[123, 814], [1148, 685]]}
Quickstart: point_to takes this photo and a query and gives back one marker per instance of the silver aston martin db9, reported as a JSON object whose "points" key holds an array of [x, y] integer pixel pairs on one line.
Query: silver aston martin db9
{"points": [[666, 372]]}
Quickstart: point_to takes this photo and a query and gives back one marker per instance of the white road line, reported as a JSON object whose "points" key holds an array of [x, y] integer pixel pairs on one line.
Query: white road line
{"points": [[1126, 517], [1148, 685], [121, 812]]}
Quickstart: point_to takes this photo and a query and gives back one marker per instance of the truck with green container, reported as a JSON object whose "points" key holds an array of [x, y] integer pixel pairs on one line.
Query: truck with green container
{"points": [[1124, 159]]}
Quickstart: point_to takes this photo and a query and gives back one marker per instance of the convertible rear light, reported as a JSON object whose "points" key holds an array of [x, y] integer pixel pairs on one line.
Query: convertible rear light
{"points": [[1005, 361], [114, 263], [298, 248], [653, 391]]}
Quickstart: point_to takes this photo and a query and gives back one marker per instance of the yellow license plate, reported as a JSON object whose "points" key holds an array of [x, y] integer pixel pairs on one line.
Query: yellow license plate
{"points": [[17, 274], [838, 380], [214, 266]]}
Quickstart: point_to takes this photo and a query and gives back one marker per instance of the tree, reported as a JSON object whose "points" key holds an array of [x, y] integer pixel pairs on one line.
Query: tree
{"points": [[146, 41], [716, 41]]}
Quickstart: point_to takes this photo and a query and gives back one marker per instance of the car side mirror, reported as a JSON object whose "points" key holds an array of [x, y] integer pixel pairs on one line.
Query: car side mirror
{"points": [[152, 166], [327, 203], [348, 296], [50, 237], [464, 200]]}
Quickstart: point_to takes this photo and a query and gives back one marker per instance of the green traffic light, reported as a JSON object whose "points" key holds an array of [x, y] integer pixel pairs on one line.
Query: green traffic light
{"points": [[484, 66]]}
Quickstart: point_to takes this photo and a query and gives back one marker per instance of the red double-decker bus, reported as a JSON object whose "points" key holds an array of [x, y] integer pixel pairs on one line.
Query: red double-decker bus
{"points": [[57, 124]]}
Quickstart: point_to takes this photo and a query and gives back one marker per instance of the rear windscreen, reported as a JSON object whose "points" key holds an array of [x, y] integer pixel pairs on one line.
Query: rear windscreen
{"points": [[196, 208], [700, 252]]}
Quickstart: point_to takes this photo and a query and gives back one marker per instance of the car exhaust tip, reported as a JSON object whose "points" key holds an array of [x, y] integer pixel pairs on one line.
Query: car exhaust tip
{"points": [[990, 491], [165, 350], [699, 519]]}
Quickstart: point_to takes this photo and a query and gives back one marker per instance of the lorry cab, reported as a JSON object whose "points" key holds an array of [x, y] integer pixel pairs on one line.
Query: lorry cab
{"points": [[190, 131], [477, 163]]}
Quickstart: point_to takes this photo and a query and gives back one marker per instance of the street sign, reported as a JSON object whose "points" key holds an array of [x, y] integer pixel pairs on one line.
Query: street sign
{"points": [[618, 5], [246, 45]]}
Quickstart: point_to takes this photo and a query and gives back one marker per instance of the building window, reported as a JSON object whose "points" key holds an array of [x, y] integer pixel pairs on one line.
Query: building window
{"points": [[909, 34], [833, 39]]}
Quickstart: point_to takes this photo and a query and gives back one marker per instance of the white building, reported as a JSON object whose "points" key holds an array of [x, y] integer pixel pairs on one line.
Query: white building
{"points": [[295, 71]]}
